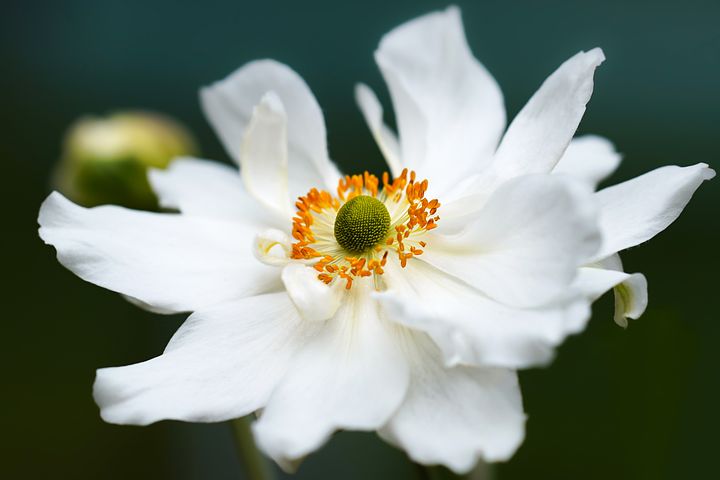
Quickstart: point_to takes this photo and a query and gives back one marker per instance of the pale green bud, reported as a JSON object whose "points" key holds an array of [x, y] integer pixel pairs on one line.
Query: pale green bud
{"points": [[105, 160]]}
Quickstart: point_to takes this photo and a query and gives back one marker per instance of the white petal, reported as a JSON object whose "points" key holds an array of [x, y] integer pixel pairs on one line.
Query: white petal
{"points": [[449, 109], [229, 103], [631, 296], [273, 247], [471, 328], [540, 133], [315, 300], [222, 363], [203, 188], [594, 281], [148, 307], [169, 261], [524, 246], [386, 139], [351, 376], [263, 158], [457, 416], [631, 299], [633, 212], [589, 158]]}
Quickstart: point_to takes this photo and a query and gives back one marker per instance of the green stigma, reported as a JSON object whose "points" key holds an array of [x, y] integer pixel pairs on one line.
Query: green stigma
{"points": [[361, 223]]}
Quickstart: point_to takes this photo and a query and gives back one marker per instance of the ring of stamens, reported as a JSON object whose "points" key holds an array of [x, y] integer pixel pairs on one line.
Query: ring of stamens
{"points": [[364, 251]]}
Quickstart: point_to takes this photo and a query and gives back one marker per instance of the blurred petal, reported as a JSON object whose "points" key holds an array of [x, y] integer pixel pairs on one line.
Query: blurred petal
{"points": [[633, 212], [228, 105], [459, 415], [203, 188], [472, 329], [589, 158], [449, 109], [386, 139], [170, 262], [263, 159], [315, 300], [352, 375], [523, 248], [540, 133], [222, 363]]}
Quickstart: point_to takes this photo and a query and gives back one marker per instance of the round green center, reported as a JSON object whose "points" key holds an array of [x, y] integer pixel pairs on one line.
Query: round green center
{"points": [[361, 223]]}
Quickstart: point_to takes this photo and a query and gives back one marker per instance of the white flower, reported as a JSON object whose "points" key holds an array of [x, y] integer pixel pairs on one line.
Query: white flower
{"points": [[388, 304]]}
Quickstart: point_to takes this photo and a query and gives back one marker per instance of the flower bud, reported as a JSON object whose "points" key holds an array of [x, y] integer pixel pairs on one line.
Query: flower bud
{"points": [[105, 160]]}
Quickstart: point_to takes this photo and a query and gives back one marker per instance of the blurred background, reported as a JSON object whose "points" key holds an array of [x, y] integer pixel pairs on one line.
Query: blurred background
{"points": [[622, 404]]}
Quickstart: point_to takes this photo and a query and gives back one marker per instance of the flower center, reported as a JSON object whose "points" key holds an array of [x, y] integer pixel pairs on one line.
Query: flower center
{"points": [[361, 223], [350, 235]]}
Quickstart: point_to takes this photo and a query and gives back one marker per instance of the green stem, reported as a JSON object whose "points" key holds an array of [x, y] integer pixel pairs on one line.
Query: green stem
{"points": [[483, 471], [256, 466]]}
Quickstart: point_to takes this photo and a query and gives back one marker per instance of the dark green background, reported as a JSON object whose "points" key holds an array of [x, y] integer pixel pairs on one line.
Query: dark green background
{"points": [[641, 403]]}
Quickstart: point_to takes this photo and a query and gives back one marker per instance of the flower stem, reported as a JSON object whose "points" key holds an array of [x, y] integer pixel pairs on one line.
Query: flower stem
{"points": [[256, 466], [483, 471]]}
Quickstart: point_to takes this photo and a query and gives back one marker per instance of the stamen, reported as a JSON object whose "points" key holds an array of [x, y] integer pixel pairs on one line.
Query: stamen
{"points": [[351, 235]]}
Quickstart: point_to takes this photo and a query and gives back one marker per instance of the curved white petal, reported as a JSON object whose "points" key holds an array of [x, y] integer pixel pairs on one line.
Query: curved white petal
{"points": [[228, 105], [631, 299], [449, 109], [222, 363], [352, 375], [524, 247], [147, 306], [204, 188], [593, 281], [457, 416], [633, 212], [589, 158], [171, 262], [273, 247], [384, 137], [540, 133], [314, 300], [471, 328], [263, 158], [631, 296]]}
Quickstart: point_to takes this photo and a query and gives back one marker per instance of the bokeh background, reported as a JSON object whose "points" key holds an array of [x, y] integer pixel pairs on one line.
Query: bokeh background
{"points": [[640, 403]]}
